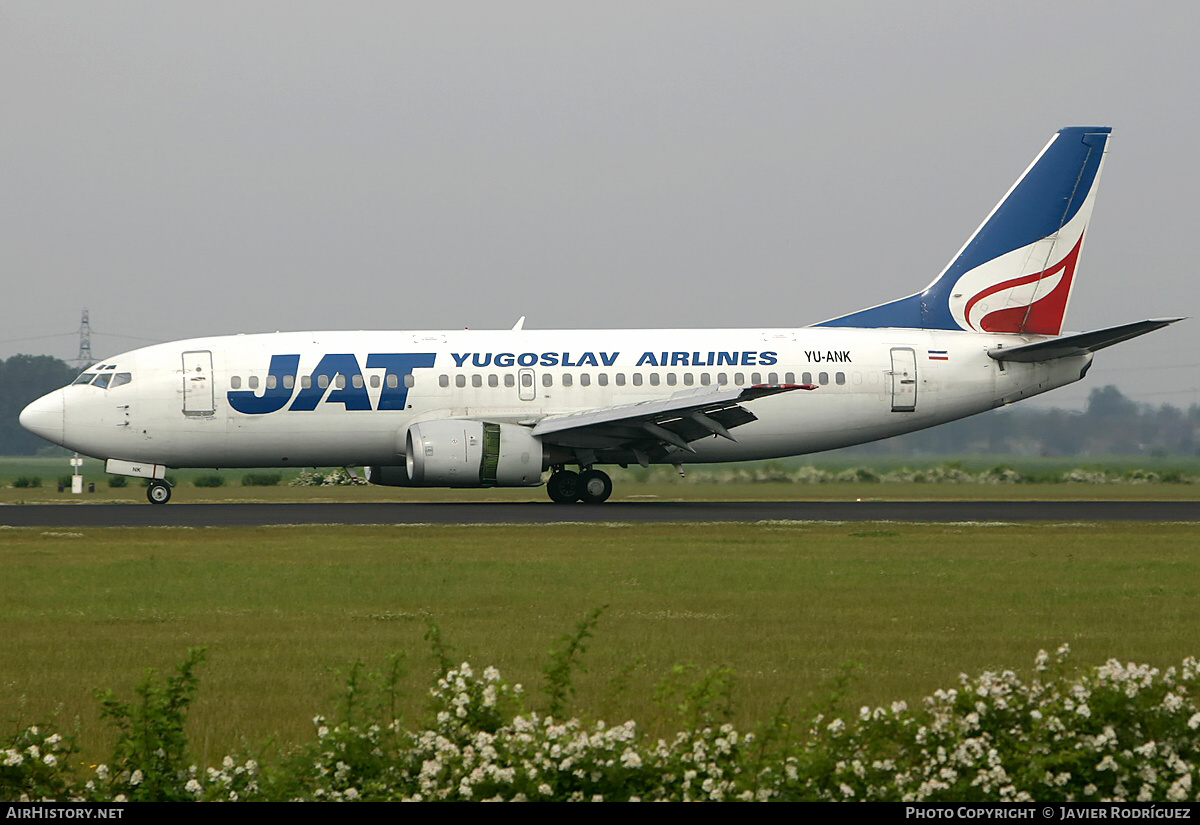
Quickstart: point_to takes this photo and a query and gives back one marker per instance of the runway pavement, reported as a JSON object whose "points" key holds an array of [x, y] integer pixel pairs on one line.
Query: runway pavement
{"points": [[250, 515]]}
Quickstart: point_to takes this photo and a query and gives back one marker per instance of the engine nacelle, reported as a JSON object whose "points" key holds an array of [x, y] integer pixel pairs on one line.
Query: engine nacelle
{"points": [[464, 453]]}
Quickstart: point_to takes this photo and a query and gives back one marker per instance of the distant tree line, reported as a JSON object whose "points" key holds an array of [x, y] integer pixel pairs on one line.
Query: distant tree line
{"points": [[1111, 425], [24, 378]]}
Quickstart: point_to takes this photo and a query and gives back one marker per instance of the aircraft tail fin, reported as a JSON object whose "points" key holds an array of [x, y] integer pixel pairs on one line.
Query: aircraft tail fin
{"points": [[1015, 273]]}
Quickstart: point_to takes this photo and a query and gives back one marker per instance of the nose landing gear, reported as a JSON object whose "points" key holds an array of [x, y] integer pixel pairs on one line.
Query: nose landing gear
{"points": [[159, 492]]}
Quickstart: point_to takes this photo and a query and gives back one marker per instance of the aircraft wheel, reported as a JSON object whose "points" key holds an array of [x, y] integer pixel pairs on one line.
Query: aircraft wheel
{"points": [[594, 487], [563, 487], [159, 492]]}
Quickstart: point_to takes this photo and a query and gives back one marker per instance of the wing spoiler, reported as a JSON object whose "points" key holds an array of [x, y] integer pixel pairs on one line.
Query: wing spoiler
{"points": [[1079, 343]]}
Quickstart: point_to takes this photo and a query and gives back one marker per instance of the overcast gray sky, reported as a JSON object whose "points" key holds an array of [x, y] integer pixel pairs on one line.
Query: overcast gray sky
{"points": [[186, 169]]}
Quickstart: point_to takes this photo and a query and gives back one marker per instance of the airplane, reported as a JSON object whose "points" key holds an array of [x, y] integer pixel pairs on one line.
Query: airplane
{"points": [[500, 408]]}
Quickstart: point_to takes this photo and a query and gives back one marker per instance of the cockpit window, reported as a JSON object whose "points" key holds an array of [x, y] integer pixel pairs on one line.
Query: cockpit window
{"points": [[102, 380], [86, 378], [120, 378]]}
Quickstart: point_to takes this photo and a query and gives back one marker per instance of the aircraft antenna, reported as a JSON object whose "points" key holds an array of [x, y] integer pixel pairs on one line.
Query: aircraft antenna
{"points": [[84, 359]]}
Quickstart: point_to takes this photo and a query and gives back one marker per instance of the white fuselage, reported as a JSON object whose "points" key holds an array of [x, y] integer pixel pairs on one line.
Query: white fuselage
{"points": [[258, 400]]}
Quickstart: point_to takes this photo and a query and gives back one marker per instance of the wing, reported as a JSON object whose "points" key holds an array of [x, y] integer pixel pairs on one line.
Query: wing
{"points": [[646, 431]]}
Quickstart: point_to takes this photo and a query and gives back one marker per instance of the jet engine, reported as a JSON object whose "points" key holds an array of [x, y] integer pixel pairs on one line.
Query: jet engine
{"points": [[465, 453]]}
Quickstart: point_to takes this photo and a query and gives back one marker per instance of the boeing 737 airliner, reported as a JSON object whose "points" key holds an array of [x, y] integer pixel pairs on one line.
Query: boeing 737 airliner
{"points": [[500, 408]]}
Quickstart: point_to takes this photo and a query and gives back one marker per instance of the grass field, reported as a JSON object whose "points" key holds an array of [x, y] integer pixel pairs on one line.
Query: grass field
{"points": [[746, 481], [783, 605]]}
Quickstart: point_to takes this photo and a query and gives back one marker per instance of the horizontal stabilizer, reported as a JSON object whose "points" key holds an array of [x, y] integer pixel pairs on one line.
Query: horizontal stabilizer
{"points": [[1079, 343]]}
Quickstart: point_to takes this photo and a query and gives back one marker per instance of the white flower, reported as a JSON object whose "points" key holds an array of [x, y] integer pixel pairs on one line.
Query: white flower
{"points": [[137, 778]]}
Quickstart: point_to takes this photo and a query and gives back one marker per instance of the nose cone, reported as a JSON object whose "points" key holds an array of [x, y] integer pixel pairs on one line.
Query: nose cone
{"points": [[44, 417]]}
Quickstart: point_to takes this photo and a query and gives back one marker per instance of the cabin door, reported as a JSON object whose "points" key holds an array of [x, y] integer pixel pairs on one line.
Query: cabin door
{"points": [[197, 383], [904, 379]]}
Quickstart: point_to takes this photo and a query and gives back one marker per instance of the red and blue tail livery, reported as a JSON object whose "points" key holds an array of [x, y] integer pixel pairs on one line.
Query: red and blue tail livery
{"points": [[501, 408], [1016, 272]]}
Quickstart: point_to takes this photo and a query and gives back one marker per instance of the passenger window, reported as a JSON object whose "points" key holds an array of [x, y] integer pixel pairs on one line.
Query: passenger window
{"points": [[585, 380], [410, 380], [739, 378], [671, 379], [823, 379], [271, 382], [460, 380], [840, 378], [722, 378], [567, 380], [357, 381], [688, 379], [547, 379], [289, 382], [253, 382], [235, 382], [493, 380], [602, 379], [119, 379], [637, 379], [443, 380], [526, 379], [789, 378], [654, 379], [374, 382], [806, 378], [620, 379], [392, 380], [509, 381], [339, 381], [773, 378], [476, 380], [756, 378]]}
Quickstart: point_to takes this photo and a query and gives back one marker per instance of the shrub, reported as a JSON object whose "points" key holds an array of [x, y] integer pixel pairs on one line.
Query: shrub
{"points": [[1114, 733], [27, 481], [209, 481], [118, 481], [261, 479]]}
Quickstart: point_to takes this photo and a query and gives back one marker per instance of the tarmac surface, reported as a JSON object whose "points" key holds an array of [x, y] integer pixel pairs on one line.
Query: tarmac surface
{"points": [[254, 515]]}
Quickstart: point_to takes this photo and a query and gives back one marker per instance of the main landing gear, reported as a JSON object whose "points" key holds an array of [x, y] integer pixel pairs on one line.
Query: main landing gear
{"points": [[589, 486], [159, 492]]}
